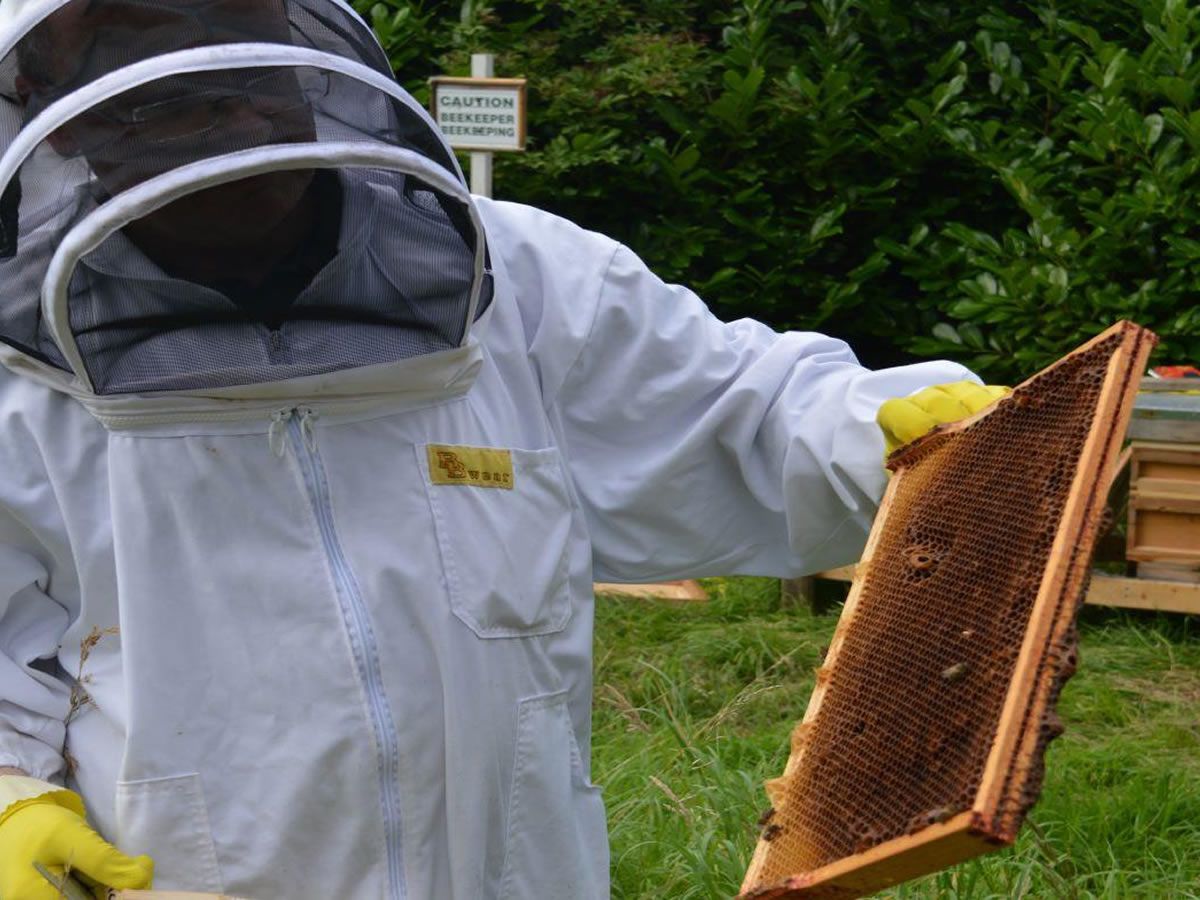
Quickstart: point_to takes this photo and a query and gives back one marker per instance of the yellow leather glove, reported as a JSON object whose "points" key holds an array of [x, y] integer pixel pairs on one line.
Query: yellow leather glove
{"points": [[42, 823], [905, 419]]}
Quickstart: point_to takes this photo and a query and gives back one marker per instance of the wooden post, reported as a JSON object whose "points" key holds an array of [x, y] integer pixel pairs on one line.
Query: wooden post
{"points": [[483, 65], [796, 592]]}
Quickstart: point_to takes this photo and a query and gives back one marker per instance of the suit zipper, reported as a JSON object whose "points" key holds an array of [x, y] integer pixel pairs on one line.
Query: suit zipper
{"points": [[297, 422]]}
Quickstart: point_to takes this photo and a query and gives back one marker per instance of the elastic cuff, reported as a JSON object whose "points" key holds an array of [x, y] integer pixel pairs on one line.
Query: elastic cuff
{"points": [[17, 791]]}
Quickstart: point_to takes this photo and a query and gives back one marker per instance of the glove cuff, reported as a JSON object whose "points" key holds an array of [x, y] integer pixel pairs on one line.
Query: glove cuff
{"points": [[19, 791]]}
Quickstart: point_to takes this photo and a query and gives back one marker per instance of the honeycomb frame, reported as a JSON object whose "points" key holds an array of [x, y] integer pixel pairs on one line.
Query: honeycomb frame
{"points": [[1013, 742]]}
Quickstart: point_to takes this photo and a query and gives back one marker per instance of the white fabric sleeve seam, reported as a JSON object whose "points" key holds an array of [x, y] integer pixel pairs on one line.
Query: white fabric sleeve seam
{"points": [[550, 401]]}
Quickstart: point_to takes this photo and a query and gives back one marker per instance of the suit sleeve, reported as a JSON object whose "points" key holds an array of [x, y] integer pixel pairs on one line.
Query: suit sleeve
{"points": [[35, 694], [34, 698], [699, 447]]}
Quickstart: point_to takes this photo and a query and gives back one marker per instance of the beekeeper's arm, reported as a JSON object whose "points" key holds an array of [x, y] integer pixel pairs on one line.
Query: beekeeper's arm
{"points": [[40, 822], [697, 447]]}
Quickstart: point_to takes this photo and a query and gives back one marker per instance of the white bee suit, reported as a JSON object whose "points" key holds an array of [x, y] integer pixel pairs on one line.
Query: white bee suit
{"points": [[340, 599]]}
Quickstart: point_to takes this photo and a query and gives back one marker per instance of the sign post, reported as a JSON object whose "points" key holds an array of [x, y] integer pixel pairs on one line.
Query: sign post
{"points": [[481, 114], [483, 65]]}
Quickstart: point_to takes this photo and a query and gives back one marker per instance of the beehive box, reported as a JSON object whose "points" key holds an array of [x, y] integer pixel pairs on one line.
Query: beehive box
{"points": [[1164, 509], [923, 741]]}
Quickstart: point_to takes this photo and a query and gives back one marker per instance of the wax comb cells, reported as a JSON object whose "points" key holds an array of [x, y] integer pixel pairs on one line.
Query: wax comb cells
{"points": [[924, 739]]}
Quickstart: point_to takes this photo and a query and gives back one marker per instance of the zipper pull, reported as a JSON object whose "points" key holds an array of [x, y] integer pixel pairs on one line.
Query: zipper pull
{"points": [[307, 417], [275, 436]]}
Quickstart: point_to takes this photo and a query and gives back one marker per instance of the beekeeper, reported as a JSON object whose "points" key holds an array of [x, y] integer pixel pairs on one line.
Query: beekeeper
{"points": [[308, 460]]}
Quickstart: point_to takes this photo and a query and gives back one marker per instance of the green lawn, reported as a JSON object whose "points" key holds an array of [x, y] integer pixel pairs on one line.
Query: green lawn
{"points": [[694, 705]]}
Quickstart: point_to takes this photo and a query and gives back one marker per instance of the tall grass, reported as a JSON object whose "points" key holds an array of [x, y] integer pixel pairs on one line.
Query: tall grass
{"points": [[695, 703]]}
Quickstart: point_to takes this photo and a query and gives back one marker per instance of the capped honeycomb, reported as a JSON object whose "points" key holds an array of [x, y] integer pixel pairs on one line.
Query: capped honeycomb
{"points": [[923, 741]]}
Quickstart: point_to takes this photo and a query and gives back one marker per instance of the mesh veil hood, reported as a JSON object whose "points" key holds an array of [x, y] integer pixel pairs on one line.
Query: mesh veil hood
{"points": [[207, 194]]}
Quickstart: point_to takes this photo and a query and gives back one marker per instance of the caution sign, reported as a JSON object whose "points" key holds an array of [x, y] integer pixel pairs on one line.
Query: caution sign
{"points": [[480, 113]]}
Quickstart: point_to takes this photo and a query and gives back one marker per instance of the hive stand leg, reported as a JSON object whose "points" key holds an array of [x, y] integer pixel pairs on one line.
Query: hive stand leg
{"points": [[802, 593]]}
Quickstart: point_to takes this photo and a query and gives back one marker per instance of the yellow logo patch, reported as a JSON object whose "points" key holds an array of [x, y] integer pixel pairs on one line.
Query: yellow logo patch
{"points": [[475, 466]]}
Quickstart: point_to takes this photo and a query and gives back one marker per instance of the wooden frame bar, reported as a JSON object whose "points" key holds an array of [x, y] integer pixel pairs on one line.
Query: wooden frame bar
{"points": [[1059, 597], [666, 590], [1144, 593], [890, 863]]}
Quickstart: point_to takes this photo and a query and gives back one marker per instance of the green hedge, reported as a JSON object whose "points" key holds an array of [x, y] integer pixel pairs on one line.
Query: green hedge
{"points": [[993, 182]]}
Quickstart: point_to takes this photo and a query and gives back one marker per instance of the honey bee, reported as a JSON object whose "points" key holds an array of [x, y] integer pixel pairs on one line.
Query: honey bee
{"points": [[954, 672]]}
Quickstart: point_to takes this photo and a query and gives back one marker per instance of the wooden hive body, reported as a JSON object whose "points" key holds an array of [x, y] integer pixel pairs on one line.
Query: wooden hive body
{"points": [[924, 738]]}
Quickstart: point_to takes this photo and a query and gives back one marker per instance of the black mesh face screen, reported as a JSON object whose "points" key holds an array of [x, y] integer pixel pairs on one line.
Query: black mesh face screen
{"points": [[393, 281], [286, 273], [83, 40], [169, 122], [21, 322]]}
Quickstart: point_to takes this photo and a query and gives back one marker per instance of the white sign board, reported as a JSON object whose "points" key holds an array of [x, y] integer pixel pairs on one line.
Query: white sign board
{"points": [[480, 113]]}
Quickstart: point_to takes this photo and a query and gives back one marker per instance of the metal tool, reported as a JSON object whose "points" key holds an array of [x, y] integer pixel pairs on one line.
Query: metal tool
{"points": [[68, 888]]}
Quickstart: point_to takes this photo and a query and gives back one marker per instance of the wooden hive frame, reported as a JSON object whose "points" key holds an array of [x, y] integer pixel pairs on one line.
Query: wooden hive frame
{"points": [[70, 888], [1015, 757], [165, 895]]}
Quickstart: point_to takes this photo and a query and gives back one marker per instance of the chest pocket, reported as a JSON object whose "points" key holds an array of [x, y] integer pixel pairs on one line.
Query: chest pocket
{"points": [[503, 525]]}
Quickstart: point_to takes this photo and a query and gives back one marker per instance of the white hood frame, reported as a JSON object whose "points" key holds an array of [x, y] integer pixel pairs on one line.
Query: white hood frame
{"points": [[437, 372]]}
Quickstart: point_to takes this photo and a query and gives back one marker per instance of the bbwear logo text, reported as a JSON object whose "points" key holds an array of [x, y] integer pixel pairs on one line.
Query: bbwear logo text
{"points": [[473, 466]]}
